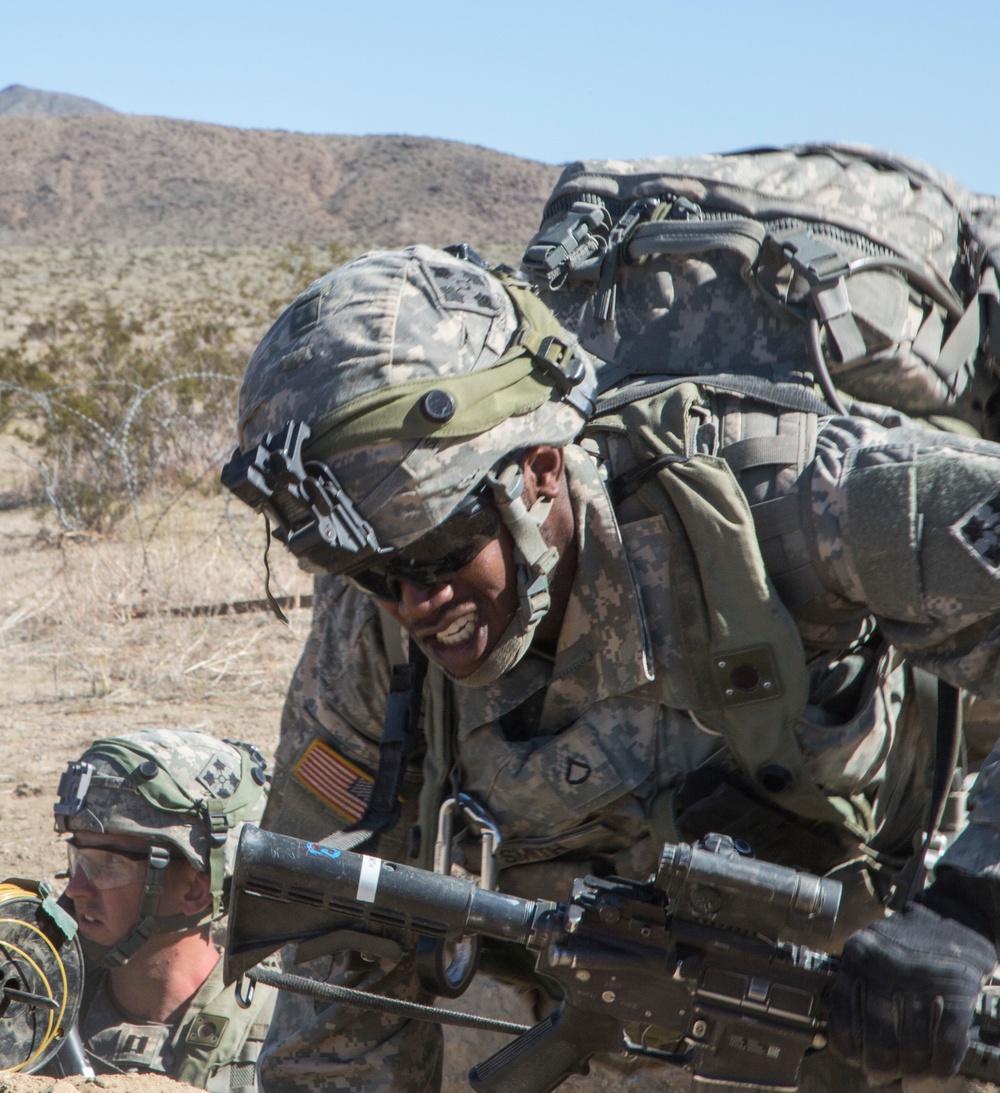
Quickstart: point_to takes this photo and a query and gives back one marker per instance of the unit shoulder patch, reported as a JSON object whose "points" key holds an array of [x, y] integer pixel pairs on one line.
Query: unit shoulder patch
{"points": [[979, 532]]}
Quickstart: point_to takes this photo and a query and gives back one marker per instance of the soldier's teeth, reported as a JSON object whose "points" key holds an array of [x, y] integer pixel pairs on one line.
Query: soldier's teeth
{"points": [[459, 630]]}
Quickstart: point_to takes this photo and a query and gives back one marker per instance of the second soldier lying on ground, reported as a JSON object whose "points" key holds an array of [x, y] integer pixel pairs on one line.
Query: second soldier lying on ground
{"points": [[150, 816]]}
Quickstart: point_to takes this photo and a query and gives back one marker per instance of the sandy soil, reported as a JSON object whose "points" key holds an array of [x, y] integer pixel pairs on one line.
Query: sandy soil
{"points": [[123, 1083]]}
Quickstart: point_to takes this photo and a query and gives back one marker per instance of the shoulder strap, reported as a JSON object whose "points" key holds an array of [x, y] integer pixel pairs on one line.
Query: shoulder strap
{"points": [[613, 394], [402, 718], [217, 1041]]}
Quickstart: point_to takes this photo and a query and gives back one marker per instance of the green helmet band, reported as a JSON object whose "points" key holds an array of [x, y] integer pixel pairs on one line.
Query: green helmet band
{"points": [[287, 476], [540, 360]]}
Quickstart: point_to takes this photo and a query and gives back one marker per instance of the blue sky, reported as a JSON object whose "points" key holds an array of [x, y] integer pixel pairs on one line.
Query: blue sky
{"points": [[553, 81]]}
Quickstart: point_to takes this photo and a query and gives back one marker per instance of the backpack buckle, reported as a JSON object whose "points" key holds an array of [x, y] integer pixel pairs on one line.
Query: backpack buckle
{"points": [[621, 233], [811, 257], [827, 273], [566, 245]]}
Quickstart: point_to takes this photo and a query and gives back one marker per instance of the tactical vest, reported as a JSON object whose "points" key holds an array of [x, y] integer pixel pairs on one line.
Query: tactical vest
{"points": [[214, 1045], [744, 592], [744, 656], [744, 659]]}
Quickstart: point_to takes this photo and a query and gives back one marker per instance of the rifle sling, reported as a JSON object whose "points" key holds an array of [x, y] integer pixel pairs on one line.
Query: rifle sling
{"points": [[330, 992], [946, 708], [402, 719]]}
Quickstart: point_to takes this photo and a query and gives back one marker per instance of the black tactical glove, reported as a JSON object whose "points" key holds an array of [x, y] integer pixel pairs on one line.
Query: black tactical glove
{"points": [[905, 996]]}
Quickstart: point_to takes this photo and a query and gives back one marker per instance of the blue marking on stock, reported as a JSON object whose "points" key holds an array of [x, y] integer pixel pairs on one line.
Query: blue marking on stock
{"points": [[327, 851]]}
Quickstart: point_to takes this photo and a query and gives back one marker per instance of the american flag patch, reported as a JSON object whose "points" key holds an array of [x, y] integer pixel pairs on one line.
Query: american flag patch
{"points": [[337, 782]]}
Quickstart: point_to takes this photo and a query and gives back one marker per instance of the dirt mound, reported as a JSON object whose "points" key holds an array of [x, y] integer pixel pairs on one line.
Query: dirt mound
{"points": [[113, 1083], [110, 178]]}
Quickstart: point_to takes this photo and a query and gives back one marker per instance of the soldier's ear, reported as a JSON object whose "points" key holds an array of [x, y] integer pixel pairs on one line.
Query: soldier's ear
{"points": [[544, 471], [198, 893]]}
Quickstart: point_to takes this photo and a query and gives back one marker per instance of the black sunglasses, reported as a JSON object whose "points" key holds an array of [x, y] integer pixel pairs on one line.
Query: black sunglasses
{"points": [[439, 554]]}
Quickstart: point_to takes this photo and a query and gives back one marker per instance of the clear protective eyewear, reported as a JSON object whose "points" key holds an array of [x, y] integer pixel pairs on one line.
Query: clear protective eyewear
{"points": [[439, 554], [106, 869]]}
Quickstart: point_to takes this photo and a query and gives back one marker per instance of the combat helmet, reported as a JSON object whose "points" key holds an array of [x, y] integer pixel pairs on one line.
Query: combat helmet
{"points": [[185, 791], [392, 391]]}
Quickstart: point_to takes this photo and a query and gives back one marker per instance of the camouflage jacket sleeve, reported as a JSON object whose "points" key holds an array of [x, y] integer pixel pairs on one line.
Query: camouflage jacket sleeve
{"points": [[328, 752], [906, 522], [332, 718]]}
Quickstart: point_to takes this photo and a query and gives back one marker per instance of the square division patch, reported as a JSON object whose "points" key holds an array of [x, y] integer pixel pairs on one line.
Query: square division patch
{"points": [[979, 532]]}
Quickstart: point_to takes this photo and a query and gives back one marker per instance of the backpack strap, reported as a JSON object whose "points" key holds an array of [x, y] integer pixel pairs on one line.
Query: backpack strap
{"points": [[613, 394], [399, 738], [745, 660], [217, 1041]]}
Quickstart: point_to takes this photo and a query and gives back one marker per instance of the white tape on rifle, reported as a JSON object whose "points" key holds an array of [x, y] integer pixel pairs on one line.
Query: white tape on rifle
{"points": [[368, 880]]}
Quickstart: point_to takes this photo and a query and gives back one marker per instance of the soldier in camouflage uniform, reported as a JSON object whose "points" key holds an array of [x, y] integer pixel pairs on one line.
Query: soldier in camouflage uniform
{"points": [[610, 664], [151, 815]]}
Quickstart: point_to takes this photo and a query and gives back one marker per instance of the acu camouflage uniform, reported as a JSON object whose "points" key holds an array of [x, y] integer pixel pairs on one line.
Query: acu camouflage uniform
{"points": [[589, 760], [213, 1044]]}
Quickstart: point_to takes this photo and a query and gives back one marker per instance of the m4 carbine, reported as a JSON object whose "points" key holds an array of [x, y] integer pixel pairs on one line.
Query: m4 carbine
{"points": [[714, 947]]}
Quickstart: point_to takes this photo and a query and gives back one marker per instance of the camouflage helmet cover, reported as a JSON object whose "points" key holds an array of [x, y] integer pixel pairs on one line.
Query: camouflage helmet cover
{"points": [[387, 319], [182, 788]]}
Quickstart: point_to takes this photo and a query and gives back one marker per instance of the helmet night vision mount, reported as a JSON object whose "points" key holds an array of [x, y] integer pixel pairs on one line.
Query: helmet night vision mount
{"points": [[311, 513]]}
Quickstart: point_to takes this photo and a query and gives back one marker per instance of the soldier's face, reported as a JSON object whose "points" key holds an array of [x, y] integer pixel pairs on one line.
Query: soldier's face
{"points": [[106, 885], [459, 621]]}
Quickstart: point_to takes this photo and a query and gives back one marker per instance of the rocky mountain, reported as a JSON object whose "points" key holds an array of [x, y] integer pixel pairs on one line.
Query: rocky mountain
{"points": [[19, 101], [109, 178]]}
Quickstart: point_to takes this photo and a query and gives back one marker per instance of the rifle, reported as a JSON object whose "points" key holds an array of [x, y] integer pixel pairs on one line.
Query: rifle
{"points": [[714, 945]]}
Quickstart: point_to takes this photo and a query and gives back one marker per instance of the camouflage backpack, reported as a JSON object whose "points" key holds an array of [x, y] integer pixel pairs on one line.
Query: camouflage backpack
{"points": [[871, 275]]}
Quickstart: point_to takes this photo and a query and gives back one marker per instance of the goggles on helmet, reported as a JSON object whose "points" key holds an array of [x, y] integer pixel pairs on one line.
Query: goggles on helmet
{"points": [[439, 554], [105, 868]]}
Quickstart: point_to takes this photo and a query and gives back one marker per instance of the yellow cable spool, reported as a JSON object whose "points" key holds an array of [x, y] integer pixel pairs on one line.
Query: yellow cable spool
{"points": [[41, 975]]}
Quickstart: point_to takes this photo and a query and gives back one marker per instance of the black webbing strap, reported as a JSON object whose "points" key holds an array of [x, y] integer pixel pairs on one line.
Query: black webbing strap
{"points": [[948, 739], [787, 396], [402, 719]]}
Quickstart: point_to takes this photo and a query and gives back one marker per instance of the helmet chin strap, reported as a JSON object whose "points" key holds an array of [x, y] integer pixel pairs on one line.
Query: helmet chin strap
{"points": [[535, 561]]}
